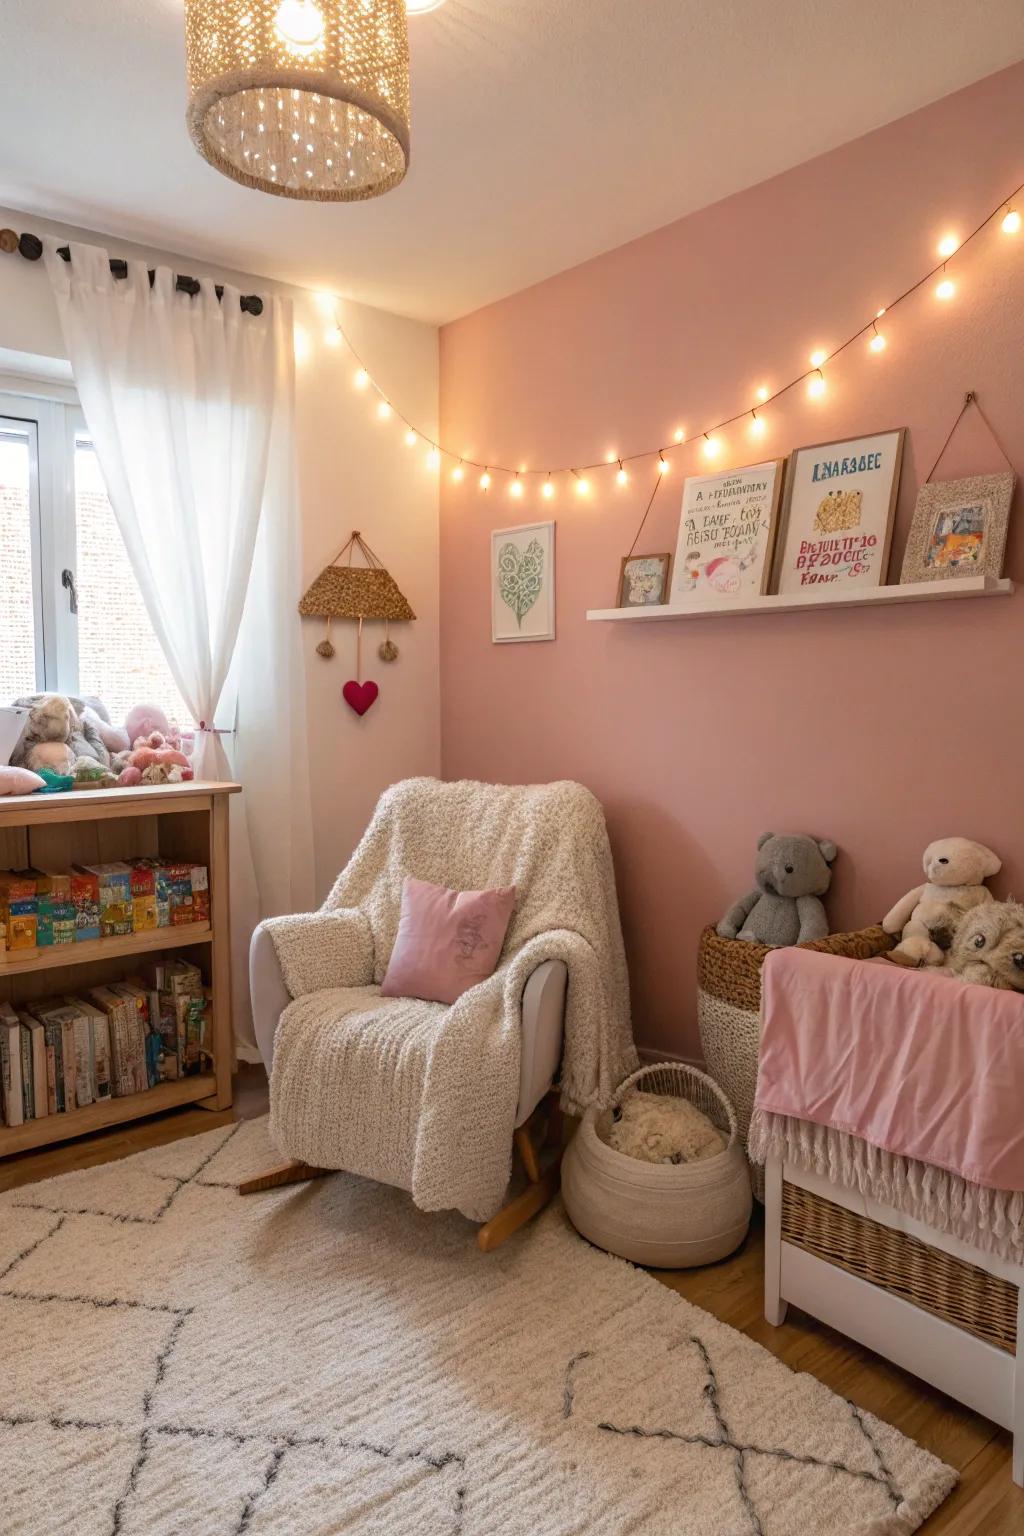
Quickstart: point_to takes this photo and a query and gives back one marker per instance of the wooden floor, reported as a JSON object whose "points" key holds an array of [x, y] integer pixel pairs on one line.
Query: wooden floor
{"points": [[986, 1501]]}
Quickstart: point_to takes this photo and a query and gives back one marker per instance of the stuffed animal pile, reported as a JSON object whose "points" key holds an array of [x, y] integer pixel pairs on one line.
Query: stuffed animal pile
{"points": [[70, 743], [657, 1128]]}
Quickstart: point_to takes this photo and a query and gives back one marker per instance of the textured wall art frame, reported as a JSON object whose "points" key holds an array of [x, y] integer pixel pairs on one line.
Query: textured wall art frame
{"points": [[523, 583], [837, 514], [959, 528], [644, 580]]}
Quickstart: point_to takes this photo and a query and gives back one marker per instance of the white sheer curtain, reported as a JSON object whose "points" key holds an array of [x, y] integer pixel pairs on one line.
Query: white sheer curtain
{"points": [[190, 406]]}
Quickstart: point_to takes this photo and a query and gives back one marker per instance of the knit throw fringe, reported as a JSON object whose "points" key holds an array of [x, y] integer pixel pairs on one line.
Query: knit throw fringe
{"points": [[989, 1219]]}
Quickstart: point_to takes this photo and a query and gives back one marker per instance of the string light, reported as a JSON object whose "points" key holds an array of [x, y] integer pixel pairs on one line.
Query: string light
{"points": [[458, 472], [384, 410], [516, 488], [1011, 222]]}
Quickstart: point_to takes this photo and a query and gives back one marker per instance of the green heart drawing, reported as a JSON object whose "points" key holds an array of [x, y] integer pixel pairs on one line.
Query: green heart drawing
{"points": [[520, 577]]}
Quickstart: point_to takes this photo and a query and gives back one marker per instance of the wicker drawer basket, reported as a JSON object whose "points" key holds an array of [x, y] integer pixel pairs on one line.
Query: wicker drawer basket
{"points": [[950, 1288], [729, 1009]]}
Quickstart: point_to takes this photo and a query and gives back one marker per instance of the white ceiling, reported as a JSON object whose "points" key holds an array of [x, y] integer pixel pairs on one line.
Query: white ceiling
{"points": [[544, 131]]}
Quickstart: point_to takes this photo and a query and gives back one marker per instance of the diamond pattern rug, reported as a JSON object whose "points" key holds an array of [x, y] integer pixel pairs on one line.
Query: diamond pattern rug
{"points": [[179, 1361]]}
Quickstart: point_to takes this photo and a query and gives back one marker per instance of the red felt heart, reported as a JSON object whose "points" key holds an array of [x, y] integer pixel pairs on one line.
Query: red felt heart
{"points": [[359, 696]]}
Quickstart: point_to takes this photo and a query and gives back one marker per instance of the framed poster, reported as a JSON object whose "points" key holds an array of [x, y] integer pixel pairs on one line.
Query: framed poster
{"points": [[837, 513], [726, 534], [523, 583], [959, 529], [643, 580]]}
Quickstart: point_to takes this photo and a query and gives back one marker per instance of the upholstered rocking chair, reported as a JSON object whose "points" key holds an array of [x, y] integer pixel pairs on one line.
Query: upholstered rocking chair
{"points": [[418, 1094]]}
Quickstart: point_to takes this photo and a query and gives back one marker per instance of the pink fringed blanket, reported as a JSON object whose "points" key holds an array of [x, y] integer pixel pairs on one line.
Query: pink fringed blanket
{"points": [[906, 1084]]}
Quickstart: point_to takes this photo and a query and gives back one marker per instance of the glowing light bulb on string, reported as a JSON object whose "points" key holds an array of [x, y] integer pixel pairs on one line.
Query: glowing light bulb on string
{"points": [[948, 244], [877, 342], [411, 439], [622, 477], [582, 485], [663, 464], [946, 289], [680, 435], [762, 393], [516, 488], [384, 410], [819, 357], [458, 472], [758, 425], [485, 480], [361, 379], [332, 337], [547, 490], [816, 387], [712, 447], [1011, 223]]}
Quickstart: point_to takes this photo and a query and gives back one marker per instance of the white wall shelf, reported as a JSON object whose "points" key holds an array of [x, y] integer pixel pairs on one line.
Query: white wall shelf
{"points": [[796, 602]]}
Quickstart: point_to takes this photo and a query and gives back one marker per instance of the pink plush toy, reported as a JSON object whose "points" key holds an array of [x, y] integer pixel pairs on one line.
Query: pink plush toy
{"points": [[19, 781], [146, 720]]}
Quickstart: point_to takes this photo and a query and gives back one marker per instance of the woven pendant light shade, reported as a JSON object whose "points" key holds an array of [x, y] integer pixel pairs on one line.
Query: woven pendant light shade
{"points": [[302, 98]]}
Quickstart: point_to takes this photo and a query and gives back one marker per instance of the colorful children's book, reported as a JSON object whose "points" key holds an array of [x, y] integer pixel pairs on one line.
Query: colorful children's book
{"points": [[10, 1065]]}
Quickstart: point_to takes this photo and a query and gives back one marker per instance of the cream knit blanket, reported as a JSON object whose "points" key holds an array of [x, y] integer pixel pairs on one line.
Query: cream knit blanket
{"points": [[417, 1094]]}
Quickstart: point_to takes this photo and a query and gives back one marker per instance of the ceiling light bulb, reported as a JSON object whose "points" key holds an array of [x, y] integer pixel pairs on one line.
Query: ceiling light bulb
{"points": [[516, 488], [383, 410], [622, 477], [877, 342], [410, 438], [300, 26], [758, 427], [1011, 224], [662, 465], [762, 393], [816, 388], [547, 490], [433, 459], [362, 378], [712, 447], [458, 472], [948, 244], [485, 480], [818, 357], [945, 289]]}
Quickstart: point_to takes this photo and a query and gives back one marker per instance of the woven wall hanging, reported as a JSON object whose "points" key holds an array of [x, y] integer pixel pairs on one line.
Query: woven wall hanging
{"points": [[356, 592]]}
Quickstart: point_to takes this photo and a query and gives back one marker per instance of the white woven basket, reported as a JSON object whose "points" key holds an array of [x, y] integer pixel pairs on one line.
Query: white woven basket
{"points": [[666, 1215]]}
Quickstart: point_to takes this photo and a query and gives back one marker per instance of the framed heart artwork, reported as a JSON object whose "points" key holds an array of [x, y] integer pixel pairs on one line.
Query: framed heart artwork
{"points": [[523, 583]]}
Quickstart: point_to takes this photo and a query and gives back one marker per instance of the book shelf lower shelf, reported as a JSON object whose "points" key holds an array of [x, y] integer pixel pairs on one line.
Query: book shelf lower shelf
{"points": [[95, 1117], [148, 943]]}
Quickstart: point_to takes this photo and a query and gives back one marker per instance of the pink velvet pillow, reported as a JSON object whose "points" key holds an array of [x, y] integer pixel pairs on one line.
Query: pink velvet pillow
{"points": [[19, 781], [447, 941]]}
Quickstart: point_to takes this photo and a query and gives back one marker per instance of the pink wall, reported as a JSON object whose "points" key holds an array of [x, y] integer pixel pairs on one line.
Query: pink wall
{"points": [[881, 729]]}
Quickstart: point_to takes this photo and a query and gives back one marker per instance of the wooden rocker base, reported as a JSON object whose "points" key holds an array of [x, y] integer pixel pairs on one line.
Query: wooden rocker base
{"points": [[285, 1173]]}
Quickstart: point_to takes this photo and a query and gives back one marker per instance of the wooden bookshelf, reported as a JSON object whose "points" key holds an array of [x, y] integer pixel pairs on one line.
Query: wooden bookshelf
{"points": [[183, 822]]}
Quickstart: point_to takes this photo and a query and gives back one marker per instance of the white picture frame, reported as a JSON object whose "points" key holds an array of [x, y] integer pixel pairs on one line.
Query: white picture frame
{"points": [[726, 535], [837, 514], [523, 583]]}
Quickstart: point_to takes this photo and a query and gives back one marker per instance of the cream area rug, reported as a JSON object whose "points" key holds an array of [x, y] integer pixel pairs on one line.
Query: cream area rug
{"points": [[179, 1361]]}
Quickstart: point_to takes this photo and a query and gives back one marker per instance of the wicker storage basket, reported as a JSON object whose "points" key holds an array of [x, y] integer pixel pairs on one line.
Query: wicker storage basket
{"points": [[667, 1215], [729, 1009]]}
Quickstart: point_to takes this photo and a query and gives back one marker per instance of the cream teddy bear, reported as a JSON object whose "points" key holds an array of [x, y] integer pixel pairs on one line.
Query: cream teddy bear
{"points": [[927, 916]]}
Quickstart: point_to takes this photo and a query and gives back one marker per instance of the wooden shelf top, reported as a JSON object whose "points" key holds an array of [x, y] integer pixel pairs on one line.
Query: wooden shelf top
{"points": [[91, 804], [815, 597], [94, 1117], [55, 956]]}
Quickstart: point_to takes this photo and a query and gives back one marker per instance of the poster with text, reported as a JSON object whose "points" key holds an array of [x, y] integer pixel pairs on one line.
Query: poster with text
{"points": [[838, 514], [726, 533]]}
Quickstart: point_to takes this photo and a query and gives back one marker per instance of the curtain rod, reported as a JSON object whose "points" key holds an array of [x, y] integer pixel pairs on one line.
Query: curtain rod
{"points": [[31, 247]]}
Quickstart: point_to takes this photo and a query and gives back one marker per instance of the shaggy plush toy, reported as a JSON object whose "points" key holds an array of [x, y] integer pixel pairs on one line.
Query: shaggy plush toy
{"points": [[46, 741], [988, 946], [658, 1128], [927, 916], [783, 908]]}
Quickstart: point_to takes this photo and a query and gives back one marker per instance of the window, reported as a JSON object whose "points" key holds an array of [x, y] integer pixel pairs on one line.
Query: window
{"points": [[72, 619]]}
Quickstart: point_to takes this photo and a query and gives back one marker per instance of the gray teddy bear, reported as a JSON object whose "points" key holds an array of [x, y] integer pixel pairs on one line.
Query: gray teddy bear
{"points": [[792, 872]]}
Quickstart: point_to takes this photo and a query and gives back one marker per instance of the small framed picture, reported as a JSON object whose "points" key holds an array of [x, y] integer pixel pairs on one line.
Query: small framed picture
{"points": [[643, 580], [959, 529], [837, 514], [726, 534], [523, 583]]}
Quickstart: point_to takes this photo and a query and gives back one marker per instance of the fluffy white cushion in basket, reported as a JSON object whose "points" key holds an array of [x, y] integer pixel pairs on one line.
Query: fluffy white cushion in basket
{"points": [[661, 1129]]}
